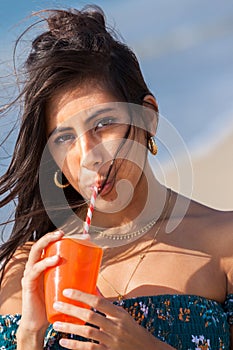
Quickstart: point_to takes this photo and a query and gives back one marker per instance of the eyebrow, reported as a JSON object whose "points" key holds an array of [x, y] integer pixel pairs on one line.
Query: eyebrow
{"points": [[59, 129], [94, 115]]}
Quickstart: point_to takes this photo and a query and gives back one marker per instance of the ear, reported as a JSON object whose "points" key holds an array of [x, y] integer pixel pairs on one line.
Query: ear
{"points": [[149, 101]]}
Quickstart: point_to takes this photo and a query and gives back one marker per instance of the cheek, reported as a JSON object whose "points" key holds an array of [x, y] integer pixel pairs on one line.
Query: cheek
{"points": [[134, 151], [59, 155], [68, 161], [71, 165], [131, 170]]}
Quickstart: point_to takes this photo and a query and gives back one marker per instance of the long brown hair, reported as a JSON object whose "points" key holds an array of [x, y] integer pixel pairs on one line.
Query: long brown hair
{"points": [[75, 47]]}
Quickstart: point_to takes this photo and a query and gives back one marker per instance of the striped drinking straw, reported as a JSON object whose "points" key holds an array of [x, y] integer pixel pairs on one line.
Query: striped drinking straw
{"points": [[90, 210]]}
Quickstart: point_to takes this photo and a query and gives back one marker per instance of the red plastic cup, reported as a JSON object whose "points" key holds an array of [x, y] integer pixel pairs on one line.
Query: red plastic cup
{"points": [[78, 269]]}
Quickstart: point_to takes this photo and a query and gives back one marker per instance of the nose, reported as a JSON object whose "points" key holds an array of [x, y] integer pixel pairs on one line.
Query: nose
{"points": [[91, 152]]}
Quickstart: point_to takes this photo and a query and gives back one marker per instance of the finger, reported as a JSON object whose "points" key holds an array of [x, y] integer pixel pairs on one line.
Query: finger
{"points": [[37, 248], [94, 301], [76, 344], [86, 315], [83, 330], [35, 271]]}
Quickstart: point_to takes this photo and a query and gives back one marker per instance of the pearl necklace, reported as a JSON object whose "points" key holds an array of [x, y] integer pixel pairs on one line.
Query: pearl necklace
{"points": [[130, 235]]}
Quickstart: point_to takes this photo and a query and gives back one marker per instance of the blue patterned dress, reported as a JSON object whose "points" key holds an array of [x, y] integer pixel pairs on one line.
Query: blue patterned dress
{"points": [[185, 322]]}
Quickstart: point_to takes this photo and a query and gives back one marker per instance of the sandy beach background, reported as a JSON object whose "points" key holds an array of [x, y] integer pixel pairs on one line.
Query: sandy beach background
{"points": [[212, 173]]}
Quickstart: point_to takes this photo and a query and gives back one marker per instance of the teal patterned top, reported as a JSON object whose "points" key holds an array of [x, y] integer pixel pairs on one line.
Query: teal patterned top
{"points": [[185, 322]]}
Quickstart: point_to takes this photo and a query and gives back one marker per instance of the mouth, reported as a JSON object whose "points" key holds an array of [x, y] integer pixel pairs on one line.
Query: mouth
{"points": [[104, 186]]}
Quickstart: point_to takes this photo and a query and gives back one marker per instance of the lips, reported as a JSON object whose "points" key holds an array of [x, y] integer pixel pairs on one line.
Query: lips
{"points": [[104, 186]]}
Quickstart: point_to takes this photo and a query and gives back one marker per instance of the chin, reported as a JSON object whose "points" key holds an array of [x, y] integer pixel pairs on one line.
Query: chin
{"points": [[111, 203]]}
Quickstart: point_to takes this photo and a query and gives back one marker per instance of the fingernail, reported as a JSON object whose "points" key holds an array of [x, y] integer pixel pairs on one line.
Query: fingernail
{"points": [[58, 325], [57, 233], [53, 258], [64, 342], [67, 292], [58, 305]]}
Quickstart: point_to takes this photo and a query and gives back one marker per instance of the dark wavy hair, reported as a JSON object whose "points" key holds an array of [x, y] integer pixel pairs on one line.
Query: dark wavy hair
{"points": [[75, 47]]}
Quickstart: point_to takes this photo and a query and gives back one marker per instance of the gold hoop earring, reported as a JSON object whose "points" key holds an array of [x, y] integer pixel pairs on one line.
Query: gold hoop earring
{"points": [[152, 146], [57, 183]]}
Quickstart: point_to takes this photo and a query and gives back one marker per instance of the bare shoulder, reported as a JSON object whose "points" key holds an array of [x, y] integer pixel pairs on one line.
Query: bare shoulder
{"points": [[222, 223], [215, 227], [203, 228], [11, 291], [219, 225]]}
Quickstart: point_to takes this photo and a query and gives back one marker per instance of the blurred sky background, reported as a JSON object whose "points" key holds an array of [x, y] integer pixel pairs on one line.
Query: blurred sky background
{"points": [[185, 48]]}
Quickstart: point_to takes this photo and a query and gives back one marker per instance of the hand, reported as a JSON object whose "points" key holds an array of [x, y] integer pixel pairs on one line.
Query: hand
{"points": [[116, 330], [33, 305]]}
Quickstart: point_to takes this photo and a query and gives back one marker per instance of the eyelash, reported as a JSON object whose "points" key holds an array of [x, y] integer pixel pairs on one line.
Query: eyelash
{"points": [[64, 138], [105, 122], [70, 137]]}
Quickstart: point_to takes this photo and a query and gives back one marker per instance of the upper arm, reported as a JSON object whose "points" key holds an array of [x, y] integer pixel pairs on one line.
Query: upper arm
{"points": [[11, 290]]}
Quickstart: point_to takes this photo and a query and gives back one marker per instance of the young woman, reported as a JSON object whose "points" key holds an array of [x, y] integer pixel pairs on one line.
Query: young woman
{"points": [[88, 120]]}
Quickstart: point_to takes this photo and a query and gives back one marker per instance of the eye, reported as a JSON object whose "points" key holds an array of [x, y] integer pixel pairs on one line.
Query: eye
{"points": [[108, 121], [65, 138]]}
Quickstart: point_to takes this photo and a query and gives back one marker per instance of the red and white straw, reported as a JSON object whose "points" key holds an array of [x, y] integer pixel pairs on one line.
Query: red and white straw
{"points": [[90, 210]]}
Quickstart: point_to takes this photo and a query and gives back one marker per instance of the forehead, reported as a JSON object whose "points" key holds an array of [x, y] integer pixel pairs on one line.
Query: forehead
{"points": [[71, 101]]}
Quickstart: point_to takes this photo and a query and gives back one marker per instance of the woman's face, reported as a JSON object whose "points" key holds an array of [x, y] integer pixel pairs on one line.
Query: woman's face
{"points": [[91, 142]]}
